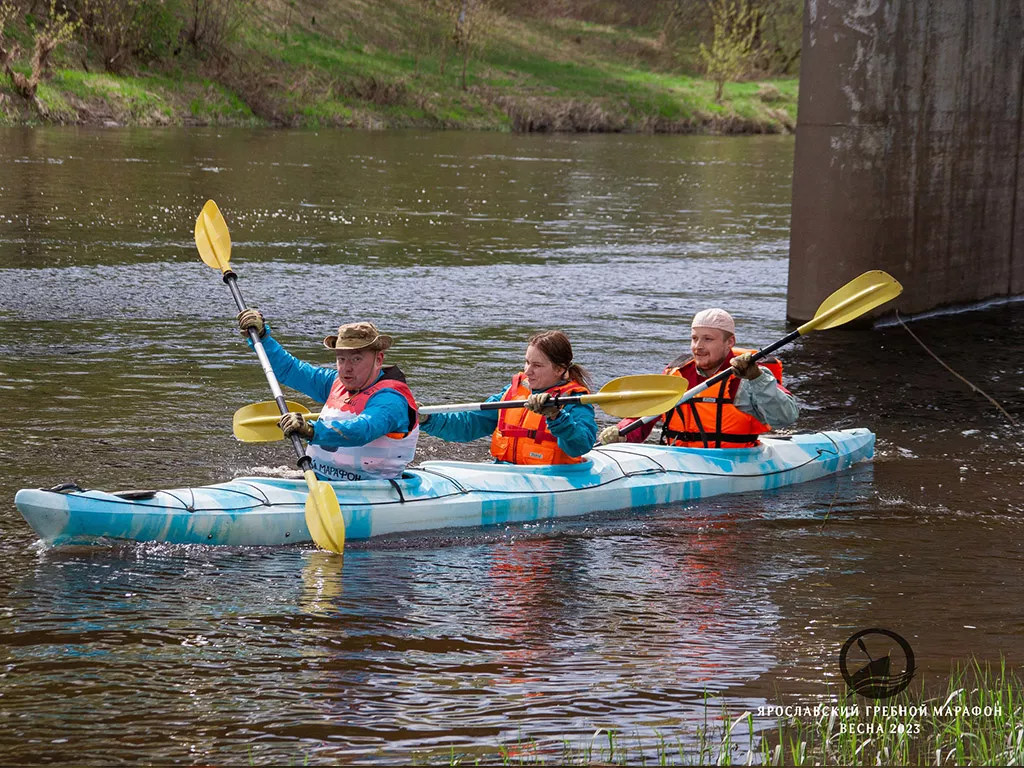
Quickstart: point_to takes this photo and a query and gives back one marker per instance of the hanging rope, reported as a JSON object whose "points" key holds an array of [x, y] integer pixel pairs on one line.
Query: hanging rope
{"points": [[965, 381]]}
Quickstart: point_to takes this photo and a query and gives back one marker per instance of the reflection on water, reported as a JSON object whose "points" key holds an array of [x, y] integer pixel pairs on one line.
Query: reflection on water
{"points": [[120, 368], [322, 583]]}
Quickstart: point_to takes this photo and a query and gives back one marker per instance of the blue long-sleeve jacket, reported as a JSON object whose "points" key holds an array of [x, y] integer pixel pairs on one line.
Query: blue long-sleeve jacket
{"points": [[386, 411], [575, 427]]}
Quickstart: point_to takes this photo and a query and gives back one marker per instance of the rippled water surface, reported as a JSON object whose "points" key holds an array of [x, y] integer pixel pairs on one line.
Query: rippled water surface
{"points": [[119, 368]]}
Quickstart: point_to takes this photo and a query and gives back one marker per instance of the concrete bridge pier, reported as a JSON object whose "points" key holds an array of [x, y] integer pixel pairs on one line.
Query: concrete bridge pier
{"points": [[908, 151]]}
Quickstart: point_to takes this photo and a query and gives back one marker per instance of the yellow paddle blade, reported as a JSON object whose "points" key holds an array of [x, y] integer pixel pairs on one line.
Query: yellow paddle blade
{"points": [[638, 396], [212, 238], [257, 423], [860, 295], [323, 515]]}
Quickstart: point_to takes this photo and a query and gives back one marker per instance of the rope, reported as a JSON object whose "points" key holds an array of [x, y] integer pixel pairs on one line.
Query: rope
{"points": [[965, 381]]}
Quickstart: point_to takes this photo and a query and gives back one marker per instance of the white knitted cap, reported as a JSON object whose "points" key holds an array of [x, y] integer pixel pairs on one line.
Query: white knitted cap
{"points": [[714, 318]]}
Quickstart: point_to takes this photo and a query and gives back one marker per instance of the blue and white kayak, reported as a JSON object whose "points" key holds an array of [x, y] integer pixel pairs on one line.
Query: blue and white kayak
{"points": [[441, 494]]}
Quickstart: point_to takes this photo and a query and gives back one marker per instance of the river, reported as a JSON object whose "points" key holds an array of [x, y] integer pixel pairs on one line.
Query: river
{"points": [[120, 368]]}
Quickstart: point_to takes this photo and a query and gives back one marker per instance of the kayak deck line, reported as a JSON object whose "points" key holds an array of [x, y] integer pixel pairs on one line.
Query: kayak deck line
{"points": [[268, 511], [661, 469], [66, 489], [266, 502]]}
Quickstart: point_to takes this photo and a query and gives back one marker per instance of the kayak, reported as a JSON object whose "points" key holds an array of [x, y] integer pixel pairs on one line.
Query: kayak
{"points": [[262, 511]]}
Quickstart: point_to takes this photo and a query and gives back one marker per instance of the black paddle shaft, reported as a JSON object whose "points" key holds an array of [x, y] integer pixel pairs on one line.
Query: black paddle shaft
{"points": [[718, 377], [304, 462], [557, 401]]}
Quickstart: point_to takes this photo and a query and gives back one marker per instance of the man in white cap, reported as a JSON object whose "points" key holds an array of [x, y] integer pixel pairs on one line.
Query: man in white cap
{"points": [[730, 414], [367, 428]]}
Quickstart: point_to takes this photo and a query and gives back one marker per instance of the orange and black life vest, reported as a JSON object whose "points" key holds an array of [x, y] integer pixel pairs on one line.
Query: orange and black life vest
{"points": [[711, 420], [522, 436]]}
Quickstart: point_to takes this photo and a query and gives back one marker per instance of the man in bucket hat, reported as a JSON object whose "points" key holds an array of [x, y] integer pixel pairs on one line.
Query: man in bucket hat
{"points": [[730, 414], [367, 427]]}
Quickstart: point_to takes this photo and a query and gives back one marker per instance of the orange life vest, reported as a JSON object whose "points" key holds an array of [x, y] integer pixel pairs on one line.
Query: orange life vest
{"points": [[710, 420], [522, 436]]}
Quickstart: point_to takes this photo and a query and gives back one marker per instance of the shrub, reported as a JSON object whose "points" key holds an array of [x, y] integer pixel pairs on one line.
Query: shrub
{"points": [[733, 47]]}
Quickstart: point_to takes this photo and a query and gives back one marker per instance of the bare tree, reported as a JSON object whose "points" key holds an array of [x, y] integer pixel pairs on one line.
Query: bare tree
{"points": [[440, 15], [211, 24], [471, 23], [115, 27], [56, 31]]}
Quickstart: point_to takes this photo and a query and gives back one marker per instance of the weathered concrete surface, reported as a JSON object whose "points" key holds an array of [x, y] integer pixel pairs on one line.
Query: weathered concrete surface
{"points": [[908, 151]]}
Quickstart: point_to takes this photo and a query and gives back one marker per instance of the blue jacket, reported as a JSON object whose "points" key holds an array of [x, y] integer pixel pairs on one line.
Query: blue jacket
{"points": [[575, 427]]}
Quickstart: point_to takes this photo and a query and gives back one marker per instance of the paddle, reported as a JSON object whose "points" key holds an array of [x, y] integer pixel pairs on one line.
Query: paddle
{"points": [[257, 423], [628, 395], [323, 515], [860, 295], [631, 395]]}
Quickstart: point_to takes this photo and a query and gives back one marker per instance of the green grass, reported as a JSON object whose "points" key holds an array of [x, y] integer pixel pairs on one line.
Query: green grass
{"points": [[132, 98], [56, 105], [378, 64], [977, 720], [145, 100]]}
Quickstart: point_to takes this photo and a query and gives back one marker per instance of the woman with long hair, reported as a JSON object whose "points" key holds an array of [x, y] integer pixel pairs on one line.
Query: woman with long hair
{"points": [[544, 432]]}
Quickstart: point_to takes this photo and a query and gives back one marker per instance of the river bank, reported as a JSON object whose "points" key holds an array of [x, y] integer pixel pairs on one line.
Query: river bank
{"points": [[393, 65]]}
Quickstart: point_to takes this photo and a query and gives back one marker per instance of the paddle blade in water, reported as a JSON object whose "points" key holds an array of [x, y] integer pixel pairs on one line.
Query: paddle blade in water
{"points": [[257, 423], [212, 238], [639, 396], [857, 297], [323, 515]]}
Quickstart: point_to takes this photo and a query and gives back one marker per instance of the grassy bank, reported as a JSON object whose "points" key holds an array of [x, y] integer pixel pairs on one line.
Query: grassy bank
{"points": [[977, 720], [390, 64]]}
